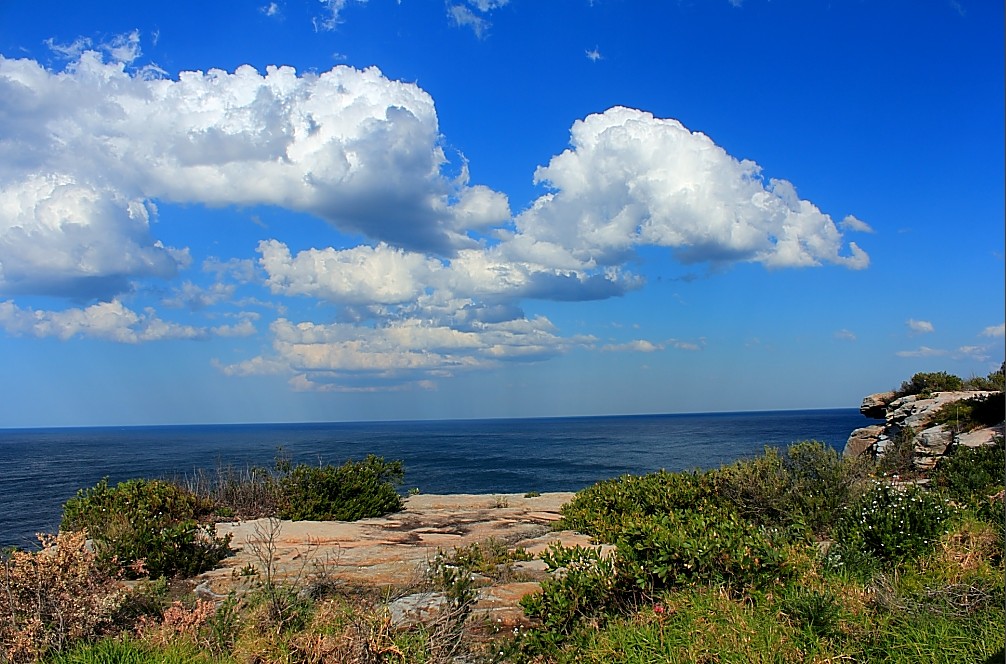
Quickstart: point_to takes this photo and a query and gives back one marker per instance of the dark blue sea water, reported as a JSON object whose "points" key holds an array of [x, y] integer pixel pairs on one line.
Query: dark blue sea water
{"points": [[41, 468]]}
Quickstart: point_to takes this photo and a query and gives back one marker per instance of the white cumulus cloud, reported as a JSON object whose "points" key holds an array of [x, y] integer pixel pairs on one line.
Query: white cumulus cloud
{"points": [[630, 179], [83, 151]]}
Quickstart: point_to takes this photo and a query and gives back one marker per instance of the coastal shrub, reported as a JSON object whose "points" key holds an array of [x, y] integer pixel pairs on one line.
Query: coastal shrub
{"points": [[53, 598], [973, 413], [994, 382], [806, 484], [582, 586], [898, 458], [146, 527], [970, 475], [602, 510], [704, 547], [892, 524], [924, 384], [352, 491]]}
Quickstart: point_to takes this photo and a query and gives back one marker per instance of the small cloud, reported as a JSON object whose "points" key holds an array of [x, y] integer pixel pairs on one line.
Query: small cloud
{"points": [[332, 14], [977, 353], [637, 346], [594, 54], [464, 17], [736, 3], [995, 330], [272, 9], [845, 335], [919, 326], [686, 345], [851, 223], [921, 351]]}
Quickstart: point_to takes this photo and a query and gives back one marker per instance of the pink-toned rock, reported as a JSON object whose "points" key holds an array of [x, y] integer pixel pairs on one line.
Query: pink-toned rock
{"points": [[395, 551]]}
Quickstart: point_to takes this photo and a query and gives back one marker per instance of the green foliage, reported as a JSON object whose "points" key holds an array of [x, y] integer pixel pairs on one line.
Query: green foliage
{"points": [[602, 509], [974, 413], [701, 547], [584, 587], [806, 484], [146, 527], [816, 611], [899, 455], [925, 384], [892, 524], [131, 651], [968, 472], [352, 491], [994, 382]]}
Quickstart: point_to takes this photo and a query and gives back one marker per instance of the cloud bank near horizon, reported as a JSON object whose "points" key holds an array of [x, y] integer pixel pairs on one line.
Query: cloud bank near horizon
{"points": [[88, 153]]}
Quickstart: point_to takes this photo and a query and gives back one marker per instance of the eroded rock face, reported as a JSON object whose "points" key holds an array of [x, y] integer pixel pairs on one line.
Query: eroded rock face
{"points": [[874, 406], [916, 414]]}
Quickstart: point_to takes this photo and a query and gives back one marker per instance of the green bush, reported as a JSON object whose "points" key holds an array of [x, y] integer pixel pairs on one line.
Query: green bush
{"points": [[974, 413], [354, 490], [994, 382], [807, 484], [892, 524], [583, 585], [969, 475], [924, 384], [699, 548], [146, 527], [602, 509]]}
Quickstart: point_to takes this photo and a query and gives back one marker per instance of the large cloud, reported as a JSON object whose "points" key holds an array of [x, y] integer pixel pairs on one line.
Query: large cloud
{"points": [[631, 179], [81, 150]]}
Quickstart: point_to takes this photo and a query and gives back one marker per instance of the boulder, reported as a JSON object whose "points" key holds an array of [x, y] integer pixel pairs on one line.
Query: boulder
{"points": [[863, 441], [875, 405]]}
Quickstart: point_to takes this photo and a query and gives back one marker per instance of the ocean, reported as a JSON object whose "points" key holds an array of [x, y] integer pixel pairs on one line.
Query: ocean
{"points": [[41, 468]]}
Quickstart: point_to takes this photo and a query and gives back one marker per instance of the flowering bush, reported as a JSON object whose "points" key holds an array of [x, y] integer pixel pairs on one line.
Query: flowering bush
{"points": [[52, 598], [893, 523]]}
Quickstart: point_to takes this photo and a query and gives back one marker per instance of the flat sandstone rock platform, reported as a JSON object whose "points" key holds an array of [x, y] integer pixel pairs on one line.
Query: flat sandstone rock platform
{"points": [[395, 550]]}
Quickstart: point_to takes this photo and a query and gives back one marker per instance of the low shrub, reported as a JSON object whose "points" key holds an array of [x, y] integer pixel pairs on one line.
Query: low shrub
{"points": [[583, 586], [968, 475], [973, 413], [602, 509], [892, 524], [700, 548], [352, 491], [146, 527], [924, 384], [53, 598], [898, 458], [806, 484]]}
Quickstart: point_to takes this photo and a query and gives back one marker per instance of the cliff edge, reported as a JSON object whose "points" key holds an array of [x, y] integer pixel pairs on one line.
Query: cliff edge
{"points": [[925, 421]]}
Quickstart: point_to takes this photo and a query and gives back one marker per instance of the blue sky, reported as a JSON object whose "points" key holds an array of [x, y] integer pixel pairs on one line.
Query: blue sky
{"points": [[356, 210]]}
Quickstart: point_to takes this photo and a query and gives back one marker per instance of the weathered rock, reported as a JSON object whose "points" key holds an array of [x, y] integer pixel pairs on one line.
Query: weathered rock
{"points": [[863, 441], [396, 550], [874, 406], [980, 437], [915, 413], [933, 441], [417, 608]]}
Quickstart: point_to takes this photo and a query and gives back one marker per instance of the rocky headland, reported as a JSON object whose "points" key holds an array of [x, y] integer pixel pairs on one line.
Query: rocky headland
{"points": [[922, 419]]}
